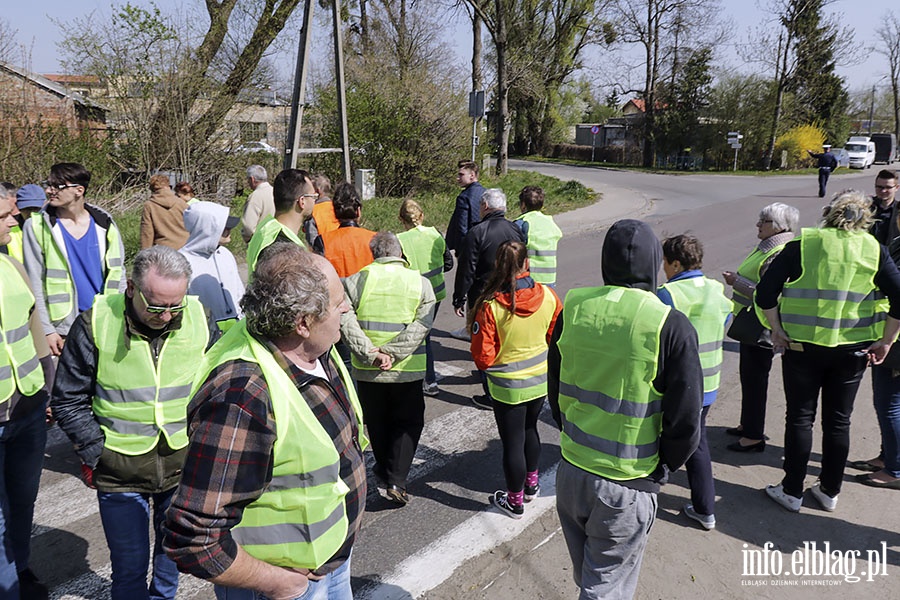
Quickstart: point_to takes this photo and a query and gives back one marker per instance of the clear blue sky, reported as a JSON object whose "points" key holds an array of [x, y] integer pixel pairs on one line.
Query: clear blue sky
{"points": [[32, 20]]}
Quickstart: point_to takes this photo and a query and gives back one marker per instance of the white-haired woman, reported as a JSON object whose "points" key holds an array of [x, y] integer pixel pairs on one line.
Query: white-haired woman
{"points": [[775, 227], [820, 297]]}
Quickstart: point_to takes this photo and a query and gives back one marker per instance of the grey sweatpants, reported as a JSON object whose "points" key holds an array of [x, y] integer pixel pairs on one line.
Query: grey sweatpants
{"points": [[606, 526]]}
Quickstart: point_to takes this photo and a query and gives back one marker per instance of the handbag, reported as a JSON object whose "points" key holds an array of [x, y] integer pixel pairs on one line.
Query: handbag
{"points": [[747, 329]]}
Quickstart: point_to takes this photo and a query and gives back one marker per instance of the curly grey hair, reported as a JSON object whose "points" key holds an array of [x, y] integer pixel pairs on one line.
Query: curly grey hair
{"points": [[385, 243], [287, 285], [167, 263], [494, 199], [257, 172], [784, 217], [850, 210]]}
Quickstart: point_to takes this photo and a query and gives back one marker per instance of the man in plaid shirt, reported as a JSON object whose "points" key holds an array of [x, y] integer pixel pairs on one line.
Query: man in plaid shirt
{"points": [[274, 484]]}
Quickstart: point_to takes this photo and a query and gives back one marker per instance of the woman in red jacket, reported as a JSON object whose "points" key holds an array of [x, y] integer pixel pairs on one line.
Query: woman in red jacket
{"points": [[511, 329]]}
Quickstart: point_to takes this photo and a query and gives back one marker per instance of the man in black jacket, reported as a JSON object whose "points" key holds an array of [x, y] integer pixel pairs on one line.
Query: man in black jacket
{"points": [[476, 260], [626, 388], [466, 214]]}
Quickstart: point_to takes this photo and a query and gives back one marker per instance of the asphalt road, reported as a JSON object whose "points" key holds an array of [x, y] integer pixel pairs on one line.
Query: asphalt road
{"points": [[448, 543]]}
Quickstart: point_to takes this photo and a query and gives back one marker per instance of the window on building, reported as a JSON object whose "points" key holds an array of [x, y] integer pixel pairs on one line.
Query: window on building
{"points": [[252, 131]]}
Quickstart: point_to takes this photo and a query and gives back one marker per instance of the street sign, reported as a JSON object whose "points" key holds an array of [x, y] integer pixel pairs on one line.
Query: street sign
{"points": [[476, 104], [735, 134], [736, 146], [595, 129]]}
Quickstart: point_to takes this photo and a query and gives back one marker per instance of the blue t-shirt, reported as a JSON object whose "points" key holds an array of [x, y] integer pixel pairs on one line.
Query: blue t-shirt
{"points": [[85, 263]]}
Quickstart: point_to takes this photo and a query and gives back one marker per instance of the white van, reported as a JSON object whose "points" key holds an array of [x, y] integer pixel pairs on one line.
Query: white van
{"points": [[861, 151]]}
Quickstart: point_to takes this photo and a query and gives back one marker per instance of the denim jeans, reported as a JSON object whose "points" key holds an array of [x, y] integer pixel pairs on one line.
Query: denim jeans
{"points": [[886, 397], [334, 586], [126, 523], [22, 444]]}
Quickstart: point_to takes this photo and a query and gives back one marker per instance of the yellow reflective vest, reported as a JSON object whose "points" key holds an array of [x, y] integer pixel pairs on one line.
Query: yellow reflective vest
{"points": [[137, 398], [543, 238], [14, 247], [264, 236], [300, 520], [611, 413], [20, 368], [424, 248]]}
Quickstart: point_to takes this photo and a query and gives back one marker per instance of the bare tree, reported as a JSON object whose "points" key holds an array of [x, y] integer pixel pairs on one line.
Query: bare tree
{"points": [[889, 32], [8, 42], [661, 28]]}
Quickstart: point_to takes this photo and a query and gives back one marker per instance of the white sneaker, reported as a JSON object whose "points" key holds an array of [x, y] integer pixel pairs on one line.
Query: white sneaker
{"points": [[825, 501], [776, 493], [707, 521], [430, 389], [461, 334]]}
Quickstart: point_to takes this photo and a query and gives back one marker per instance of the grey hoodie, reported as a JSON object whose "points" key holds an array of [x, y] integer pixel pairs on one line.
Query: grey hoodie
{"points": [[214, 278]]}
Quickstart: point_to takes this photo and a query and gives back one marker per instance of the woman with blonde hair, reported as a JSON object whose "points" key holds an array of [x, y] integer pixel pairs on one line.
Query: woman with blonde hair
{"points": [[820, 297], [426, 252], [512, 323]]}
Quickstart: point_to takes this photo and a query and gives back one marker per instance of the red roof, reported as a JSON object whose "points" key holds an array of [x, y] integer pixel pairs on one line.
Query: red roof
{"points": [[69, 79]]}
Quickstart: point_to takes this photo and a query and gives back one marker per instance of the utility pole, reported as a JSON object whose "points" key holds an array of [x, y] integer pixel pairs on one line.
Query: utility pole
{"points": [[292, 144]]}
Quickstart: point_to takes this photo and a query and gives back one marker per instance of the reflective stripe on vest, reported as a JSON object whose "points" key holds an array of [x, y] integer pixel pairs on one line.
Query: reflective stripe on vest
{"points": [[543, 237], [134, 398], [264, 236], [609, 358], [300, 519], [20, 368], [424, 248], [704, 303], [59, 287], [347, 249], [388, 302], [834, 301], [519, 372], [749, 269]]}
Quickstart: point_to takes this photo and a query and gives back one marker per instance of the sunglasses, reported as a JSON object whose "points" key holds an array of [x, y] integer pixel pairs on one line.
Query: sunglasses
{"points": [[158, 310], [59, 186]]}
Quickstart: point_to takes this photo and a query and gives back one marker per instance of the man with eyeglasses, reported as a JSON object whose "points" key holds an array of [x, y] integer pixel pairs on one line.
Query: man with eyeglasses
{"points": [[295, 196], [73, 251], [884, 227], [121, 394]]}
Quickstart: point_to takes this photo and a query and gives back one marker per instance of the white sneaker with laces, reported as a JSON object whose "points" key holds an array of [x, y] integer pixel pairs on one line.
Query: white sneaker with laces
{"points": [[825, 501], [777, 493], [707, 521]]}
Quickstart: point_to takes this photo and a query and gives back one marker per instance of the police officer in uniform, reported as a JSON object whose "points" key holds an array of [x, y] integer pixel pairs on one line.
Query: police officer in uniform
{"points": [[827, 163]]}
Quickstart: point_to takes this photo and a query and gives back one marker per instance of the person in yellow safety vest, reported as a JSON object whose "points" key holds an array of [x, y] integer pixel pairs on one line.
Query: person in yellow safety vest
{"points": [[30, 198], [274, 484], [73, 252], [425, 251], [775, 226], [625, 386], [25, 366], [511, 327], [704, 302], [823, 298], [121, 393], [541, 235], [391, 312], [295, 197]]}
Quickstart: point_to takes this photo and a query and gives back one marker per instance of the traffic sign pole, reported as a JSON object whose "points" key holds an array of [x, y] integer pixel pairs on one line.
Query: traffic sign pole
{"points": [[595, 129]]}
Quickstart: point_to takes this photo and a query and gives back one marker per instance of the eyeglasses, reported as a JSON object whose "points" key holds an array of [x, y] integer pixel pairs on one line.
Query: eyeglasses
{"points": [[765, 221], [58, 186], [314, 196], [885, 187], [158, 310]]}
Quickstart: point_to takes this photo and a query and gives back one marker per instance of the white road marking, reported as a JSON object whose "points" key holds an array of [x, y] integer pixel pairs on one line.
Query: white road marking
{"points": [[435, 563]]}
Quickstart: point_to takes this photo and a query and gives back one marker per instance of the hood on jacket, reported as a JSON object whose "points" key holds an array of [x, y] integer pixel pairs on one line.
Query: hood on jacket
{"points": [[165, 198], [205, 222], [529, 297], [632, 255]]}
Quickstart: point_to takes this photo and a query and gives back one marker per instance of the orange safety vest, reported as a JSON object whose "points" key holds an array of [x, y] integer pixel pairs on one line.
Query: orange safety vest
{"points": [[323, 214], [347, 248]]}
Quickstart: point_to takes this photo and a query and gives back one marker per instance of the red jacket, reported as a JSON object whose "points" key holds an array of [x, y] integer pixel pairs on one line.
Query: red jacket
{"points": [[485, 338]]}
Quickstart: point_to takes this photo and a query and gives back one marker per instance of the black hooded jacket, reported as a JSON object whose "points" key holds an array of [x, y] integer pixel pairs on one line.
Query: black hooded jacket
{"points": [[631, 257]]}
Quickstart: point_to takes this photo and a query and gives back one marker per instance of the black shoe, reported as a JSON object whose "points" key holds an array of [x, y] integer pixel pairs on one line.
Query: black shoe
{"points": [[735, 431], [380, 475], [30, 587], [531, 492], [397, 494], [738, 447], [482, 401]]}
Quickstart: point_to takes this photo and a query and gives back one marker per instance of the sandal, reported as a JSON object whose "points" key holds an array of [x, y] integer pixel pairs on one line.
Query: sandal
{"points": [[863, 465], [867, 480]]}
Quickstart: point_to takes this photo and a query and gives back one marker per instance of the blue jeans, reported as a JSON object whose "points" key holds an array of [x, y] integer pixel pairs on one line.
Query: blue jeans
{"points": [[22, 444], [886, 397], [126, 523], [334, 586]]}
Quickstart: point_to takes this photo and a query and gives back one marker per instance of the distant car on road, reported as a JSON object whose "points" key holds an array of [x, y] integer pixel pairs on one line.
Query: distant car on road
{"points": [[253, 147], [842, 156], [862, 152]]}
